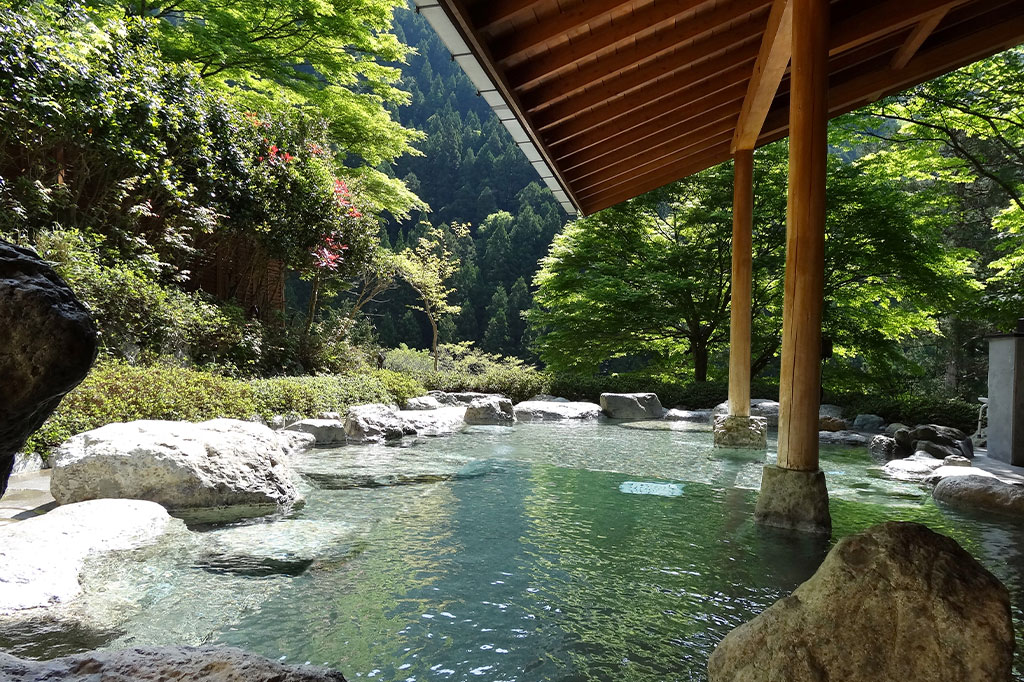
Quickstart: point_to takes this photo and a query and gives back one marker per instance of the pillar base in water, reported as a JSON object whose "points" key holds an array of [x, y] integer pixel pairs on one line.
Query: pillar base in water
{"points": [[741, 432], [793, 499]]}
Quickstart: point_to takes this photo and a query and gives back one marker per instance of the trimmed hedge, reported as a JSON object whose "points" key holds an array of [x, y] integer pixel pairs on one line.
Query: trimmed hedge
{"points": [[117, 392], [912, 409]]}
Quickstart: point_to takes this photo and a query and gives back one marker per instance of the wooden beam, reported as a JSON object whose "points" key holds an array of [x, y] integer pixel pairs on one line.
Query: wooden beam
{"points": [[619, 115], [704, 26], [659, 158], [531, 71], [742, 45], [880, 20], [526, 38], [917, 38], [948, 56], [662, 176], [772, 61], [800, 371], [742, 283], [491, 12], [645, 140]]}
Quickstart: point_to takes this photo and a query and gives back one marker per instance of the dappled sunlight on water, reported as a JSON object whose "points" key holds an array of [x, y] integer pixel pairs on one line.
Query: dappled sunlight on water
{"points": [[543, 560]]}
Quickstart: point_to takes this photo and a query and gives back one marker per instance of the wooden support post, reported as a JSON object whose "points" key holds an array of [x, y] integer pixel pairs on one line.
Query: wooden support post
{"points": [[800, 380], [739, 313]]}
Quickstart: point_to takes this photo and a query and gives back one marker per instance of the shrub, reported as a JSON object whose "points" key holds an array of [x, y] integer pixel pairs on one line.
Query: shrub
{"points": [[462, 368], [912, 409], [117, 392]]}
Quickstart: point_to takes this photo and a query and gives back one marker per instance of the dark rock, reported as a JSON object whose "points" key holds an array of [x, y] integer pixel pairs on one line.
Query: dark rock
{"points": [[896, 602], [160, 664], [47, 345], [868, 422]]}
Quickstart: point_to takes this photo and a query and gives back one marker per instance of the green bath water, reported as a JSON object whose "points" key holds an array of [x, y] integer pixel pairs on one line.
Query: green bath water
{"points": [[563, 553]]}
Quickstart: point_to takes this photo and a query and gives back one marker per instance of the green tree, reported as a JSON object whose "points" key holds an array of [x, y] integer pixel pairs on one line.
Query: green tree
{"points": [[335, 59], [519, 302], [496, 337], [427, 268], [651, 276]]}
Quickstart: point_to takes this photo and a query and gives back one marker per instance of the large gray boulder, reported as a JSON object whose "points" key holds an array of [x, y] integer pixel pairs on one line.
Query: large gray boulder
{"points": [[632, 405], [543, 411], [325, 432], [917, 467], [41, 558], [947, 471], [490, 410], [47, 345], [225, 467], [938, 441], [444, 421], [987, 493], [294, 442], [868, 422], [759, 407], [463, 398], [833, 411], [162, 664], [896, 602], [375, 423], [423, 402]]}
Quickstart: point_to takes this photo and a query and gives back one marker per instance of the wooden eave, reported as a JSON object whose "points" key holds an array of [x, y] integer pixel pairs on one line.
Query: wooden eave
{"points": [[612, 98]]}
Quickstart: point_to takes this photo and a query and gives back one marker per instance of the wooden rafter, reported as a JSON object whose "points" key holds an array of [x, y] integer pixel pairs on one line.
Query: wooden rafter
{"points": [[701, 27], [515, 43], [917, 38], [772, 61], [677, 91], [489, 13], [740, 41], [605, 37]]}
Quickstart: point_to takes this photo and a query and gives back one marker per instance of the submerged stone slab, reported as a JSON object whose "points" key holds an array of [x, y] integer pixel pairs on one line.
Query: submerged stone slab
{"points": [[41, 558], [897, 602], [676, 415], [632, 405], [544, 410], [797, 500], [162, 664], [732, 431]]}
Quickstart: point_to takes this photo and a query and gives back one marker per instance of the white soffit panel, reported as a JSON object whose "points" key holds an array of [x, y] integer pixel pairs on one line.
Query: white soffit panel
{"points": [[461, 53]]}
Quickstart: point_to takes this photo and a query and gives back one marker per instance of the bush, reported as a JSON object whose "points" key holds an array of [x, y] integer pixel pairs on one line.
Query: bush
{"points": [[462, 368], [912, 409], [117, 392]]}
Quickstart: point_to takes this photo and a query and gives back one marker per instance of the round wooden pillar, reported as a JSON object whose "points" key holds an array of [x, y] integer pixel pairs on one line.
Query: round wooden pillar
{"points": [[739, 305], [800, 380]]}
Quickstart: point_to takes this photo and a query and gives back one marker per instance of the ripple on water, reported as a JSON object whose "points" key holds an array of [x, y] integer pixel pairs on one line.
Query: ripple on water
{"points": [[530, 562]]}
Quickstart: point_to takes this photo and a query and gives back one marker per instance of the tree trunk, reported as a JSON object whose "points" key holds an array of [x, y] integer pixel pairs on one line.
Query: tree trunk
{"points": [[700, 362], [314, 294], [433, 326]]}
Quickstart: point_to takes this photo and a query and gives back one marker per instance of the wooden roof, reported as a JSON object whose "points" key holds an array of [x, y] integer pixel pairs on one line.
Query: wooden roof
{"points": [[612, 98]]}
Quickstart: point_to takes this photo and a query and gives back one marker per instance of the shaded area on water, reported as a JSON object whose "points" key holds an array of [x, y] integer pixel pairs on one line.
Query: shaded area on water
{"points": [[532, 563]]}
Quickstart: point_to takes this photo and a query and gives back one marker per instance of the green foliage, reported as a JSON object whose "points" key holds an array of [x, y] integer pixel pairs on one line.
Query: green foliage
{"points": [[312, 395], [649, 278], [334, 60], [117, 392], [462, 368], [139, 317], [911, 409]]}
